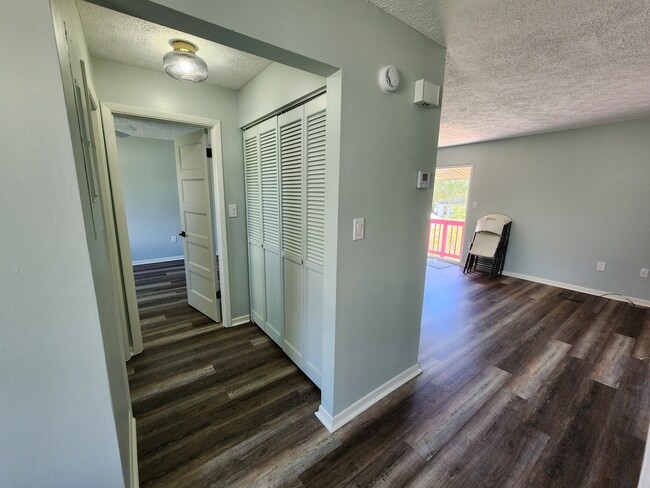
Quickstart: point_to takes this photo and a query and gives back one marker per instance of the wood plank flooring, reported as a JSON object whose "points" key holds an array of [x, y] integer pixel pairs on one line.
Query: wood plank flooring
{"points": [[523, 385]]}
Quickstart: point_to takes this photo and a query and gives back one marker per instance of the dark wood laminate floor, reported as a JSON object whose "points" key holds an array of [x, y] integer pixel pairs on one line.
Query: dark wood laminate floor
{"points": [[523, 385]]}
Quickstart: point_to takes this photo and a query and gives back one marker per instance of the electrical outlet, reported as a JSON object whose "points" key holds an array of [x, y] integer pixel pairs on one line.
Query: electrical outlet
{"points": [[600, 266], [475, 205], [644, 272], [174, 238]]}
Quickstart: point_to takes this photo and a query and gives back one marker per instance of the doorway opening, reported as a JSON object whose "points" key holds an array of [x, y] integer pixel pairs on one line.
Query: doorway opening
{"points": [[151, 165], [448, 214], [176, 170]]}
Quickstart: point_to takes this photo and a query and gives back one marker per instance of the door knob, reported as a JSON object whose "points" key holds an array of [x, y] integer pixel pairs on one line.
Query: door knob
{"points": [[182, 234]]}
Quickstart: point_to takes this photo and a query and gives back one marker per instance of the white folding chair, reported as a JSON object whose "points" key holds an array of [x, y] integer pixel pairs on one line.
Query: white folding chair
{"points": [[489, 244]]}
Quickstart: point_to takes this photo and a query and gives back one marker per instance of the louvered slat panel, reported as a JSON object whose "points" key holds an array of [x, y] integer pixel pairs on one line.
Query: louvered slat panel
{"points": [[315, 191], [291, 177], [254, 211], [270, 204]]}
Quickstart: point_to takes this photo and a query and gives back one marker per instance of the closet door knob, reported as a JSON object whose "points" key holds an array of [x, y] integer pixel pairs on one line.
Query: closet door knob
{"points": [[182, 234]]}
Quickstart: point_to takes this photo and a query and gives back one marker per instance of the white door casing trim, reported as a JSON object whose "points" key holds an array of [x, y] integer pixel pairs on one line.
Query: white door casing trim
{"points": [[133, 446], [219, 202]]}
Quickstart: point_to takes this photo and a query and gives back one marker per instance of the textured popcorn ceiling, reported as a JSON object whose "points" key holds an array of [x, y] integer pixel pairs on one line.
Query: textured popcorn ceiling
{"points": [[128, 40], [531, 66], [150, 129]]}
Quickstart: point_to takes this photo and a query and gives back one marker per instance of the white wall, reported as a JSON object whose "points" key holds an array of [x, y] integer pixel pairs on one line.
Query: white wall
{"points": [[148, 171], [119, 83], [375, 286], [275, 87], [576, 197], [56, 422]]}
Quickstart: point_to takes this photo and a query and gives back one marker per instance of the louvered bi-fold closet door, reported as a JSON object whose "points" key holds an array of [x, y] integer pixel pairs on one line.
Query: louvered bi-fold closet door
{"points": [[291, 144], [256, 266], [270, 182], [314, 123]]}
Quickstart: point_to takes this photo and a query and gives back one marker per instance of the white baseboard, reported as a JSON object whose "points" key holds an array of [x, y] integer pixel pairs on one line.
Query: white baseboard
{"points": [[644, 478], [581, 289], [339, 420], [244, 319], [133, 437], [158, 260], [325, 418]]}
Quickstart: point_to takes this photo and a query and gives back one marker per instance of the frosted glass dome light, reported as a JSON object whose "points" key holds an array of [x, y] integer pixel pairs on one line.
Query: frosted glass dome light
{"points": [[183, 64]]}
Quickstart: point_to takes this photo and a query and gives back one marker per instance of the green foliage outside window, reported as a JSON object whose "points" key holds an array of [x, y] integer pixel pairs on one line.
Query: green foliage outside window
{"points": [[450, 199]]}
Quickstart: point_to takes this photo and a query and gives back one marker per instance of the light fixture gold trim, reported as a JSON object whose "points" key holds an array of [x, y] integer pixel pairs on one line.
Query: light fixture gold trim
{"points": [[185, 46]]}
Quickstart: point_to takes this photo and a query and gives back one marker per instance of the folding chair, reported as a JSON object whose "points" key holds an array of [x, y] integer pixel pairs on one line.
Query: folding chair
{"points": [[489, 245]]}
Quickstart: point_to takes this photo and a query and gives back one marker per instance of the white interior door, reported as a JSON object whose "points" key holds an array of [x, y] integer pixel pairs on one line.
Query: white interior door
{"points": [[111, 184], [192, 173], [130, 333]]}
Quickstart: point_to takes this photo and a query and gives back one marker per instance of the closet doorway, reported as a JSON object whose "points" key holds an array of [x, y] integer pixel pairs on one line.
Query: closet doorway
{"points": [[284, 162]]}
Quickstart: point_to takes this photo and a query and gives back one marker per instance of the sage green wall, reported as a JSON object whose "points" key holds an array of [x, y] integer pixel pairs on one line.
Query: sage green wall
{"points": [[119, 83], [148, 170], [58, 415], [273, 88], [372, 328], [576, 197]]}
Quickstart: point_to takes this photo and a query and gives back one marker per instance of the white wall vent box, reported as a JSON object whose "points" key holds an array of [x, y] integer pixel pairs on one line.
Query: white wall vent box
{"points": [[426, 94]]}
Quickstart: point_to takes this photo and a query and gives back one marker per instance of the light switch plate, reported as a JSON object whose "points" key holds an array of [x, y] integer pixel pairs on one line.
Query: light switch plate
{"points": [[600, 266], [232, 210], [174, 238], [475, 205], [359, 231]]}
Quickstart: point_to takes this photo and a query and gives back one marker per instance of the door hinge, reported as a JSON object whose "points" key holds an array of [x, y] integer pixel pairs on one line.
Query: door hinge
{"points": [[208, 152], [218, 294]]}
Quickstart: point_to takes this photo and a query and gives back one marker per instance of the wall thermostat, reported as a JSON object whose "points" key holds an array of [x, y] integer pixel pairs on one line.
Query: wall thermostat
{"points": [[424, 179], [388, 79]]}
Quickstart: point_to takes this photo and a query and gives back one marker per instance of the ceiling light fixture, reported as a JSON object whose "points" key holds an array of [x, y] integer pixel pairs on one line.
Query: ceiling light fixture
{"points": [[183, 64]]}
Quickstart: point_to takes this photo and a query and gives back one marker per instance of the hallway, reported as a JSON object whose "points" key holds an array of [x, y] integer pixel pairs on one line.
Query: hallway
{"points": [[205, 397]]}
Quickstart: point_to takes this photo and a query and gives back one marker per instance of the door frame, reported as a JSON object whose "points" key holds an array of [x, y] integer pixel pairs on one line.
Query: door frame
{"points": [[218, 200], [467, 208]]}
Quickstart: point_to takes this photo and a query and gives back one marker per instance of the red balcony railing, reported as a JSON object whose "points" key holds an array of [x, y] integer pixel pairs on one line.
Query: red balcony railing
{"points": [[446, 238]]}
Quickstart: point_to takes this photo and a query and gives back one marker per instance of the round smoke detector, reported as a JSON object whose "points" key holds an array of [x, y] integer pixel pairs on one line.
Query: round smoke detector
{"points": [[388, 79]]}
